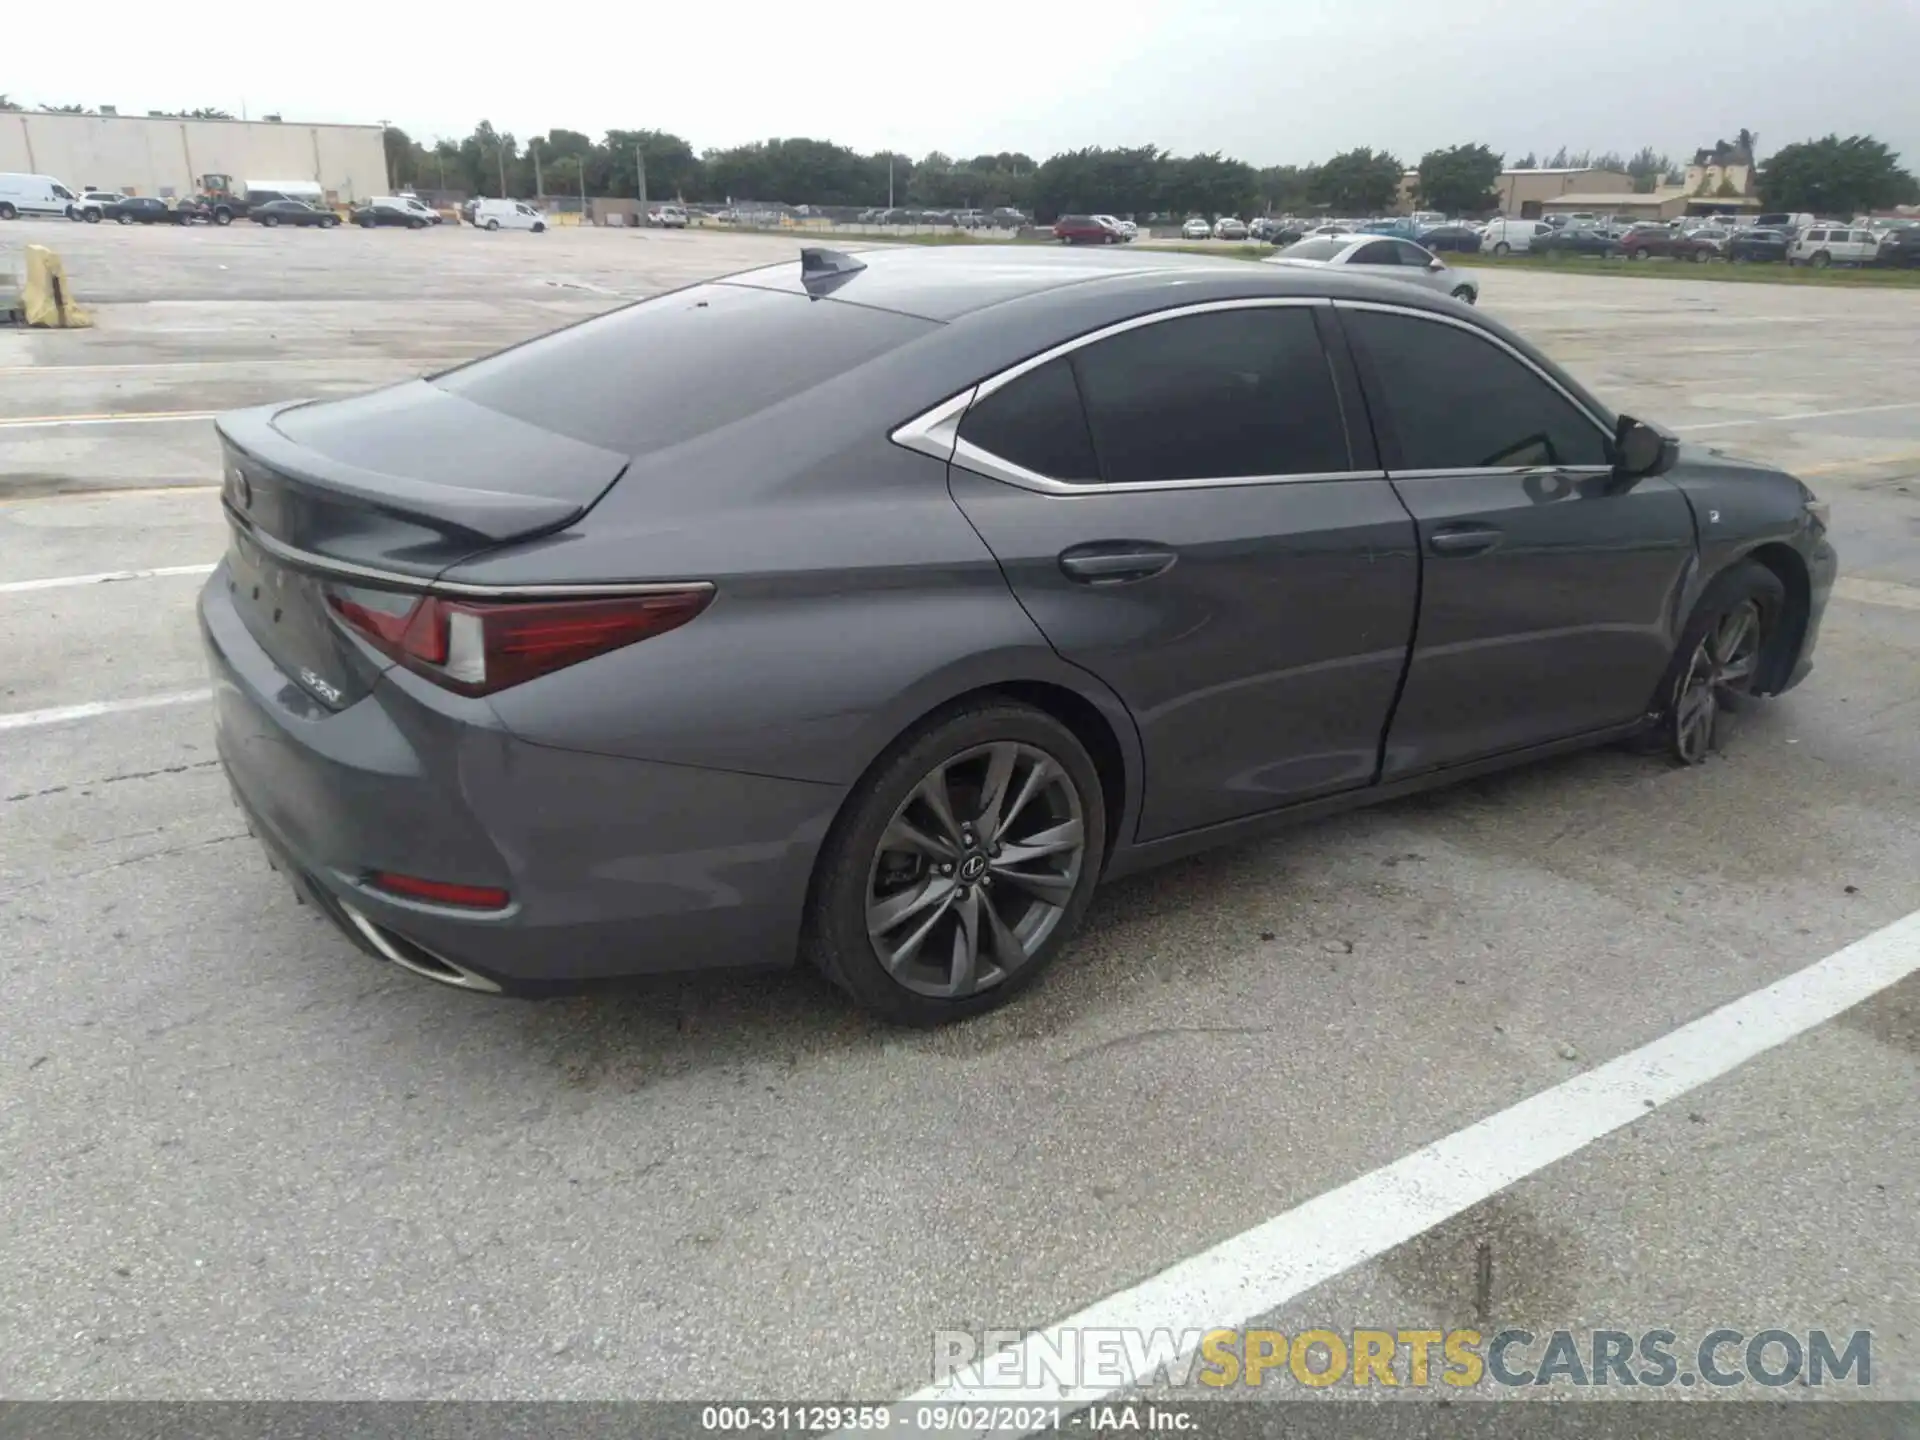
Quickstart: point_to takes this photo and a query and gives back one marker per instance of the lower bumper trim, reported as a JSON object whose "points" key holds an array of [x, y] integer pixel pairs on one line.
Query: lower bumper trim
{"points": [[411, 956]]}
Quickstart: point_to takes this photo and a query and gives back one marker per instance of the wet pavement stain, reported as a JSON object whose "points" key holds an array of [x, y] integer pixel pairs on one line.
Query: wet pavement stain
{"points": [[1492, 1266]]}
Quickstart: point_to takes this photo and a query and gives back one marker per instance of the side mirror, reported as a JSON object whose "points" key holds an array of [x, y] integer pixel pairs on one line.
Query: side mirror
{"points": [[1641, 449], [1436, 264]]}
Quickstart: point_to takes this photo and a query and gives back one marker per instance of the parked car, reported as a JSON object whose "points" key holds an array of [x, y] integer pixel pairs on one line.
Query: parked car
{"points": [[1822, 246], [508, 215], [1463, 239], [1510, 236], [1385, 257], [92, 205], [1331, 228], [1196, 228], [667, 217], [1900, 247], [1640, 242], [389, 210], [507, 730], [1576, 240], [969, 219], [1125, 229], [291, 212], [34, 195], [1229, 227], [1758, 243], [143, 210], [1085, 230], [1785, 220], [1005, 217], [1716, 237]]}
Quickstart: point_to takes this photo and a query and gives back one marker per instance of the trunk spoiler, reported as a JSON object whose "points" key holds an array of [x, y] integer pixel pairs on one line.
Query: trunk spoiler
{"points": [[485, 515]]}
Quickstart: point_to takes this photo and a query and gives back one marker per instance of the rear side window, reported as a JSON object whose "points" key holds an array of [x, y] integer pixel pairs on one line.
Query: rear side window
{"points": [[1223, 395], [666, 370], [1324, 248], [1456, 401], [1037, 423], [1380, 252]]}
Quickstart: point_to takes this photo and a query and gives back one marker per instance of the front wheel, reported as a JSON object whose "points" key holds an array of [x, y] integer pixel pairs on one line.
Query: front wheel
{"points": [[124, 219], [328, 224], [92, 217], [1821, 259], [1636, 254], [271, 221], [960, 866], [223, 217], [1718, 656], [1464, 294], [538, 228], [1503, 248]]}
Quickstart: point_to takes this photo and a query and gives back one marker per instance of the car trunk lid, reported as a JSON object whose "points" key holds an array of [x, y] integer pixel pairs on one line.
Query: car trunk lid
{"points": [[382, 493]]}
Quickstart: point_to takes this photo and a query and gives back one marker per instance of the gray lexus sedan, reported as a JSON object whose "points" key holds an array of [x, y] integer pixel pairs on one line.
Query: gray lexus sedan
{"points": [[868, 610]]}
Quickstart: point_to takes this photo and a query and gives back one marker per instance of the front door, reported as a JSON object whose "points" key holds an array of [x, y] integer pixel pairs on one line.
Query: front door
{"points": [[1179, 507], [1548, 591]]}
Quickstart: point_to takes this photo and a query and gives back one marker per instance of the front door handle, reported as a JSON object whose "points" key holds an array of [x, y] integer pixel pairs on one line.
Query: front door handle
{"points": [[1115, 562], [1467, 540]]}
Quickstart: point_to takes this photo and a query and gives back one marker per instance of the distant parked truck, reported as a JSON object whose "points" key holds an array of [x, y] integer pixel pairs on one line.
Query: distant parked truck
{"points": [[225, 201]]}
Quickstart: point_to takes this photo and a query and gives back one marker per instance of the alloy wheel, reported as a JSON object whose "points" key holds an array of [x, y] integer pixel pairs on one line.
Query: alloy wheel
{"points": [[975, 869], [1721, 666]]}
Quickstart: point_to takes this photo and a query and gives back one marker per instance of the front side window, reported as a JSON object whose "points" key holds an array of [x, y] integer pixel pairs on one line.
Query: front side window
{"points": [[1457, 401], [1225, 395], [1411, 254]]}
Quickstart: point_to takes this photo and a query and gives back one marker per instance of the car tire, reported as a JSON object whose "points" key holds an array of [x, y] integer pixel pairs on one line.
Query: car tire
{"points": [[1464, 294], [1700, 257], [1720, 650], [222, 217], [539, 228], [330, 222], [1637, 254], [7, 212], [1821, 260], [124, 219], [493, 225], [861, 879], [270, 221], [92, 217]]}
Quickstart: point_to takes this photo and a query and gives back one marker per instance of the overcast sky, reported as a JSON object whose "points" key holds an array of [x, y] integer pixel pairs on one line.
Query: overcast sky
{"points": [[1268, 81]]}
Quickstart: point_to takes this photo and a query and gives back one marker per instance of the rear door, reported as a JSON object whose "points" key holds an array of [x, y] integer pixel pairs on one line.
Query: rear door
{"points": [[1190, 508], [1548, 592]]}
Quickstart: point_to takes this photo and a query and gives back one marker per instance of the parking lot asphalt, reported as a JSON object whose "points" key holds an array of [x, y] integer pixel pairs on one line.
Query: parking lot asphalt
{"points": [[243, 1160]]}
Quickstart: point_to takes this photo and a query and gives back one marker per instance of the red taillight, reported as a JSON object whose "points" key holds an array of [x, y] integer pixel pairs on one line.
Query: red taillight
{"points": [[479, 646], [440, 892]]}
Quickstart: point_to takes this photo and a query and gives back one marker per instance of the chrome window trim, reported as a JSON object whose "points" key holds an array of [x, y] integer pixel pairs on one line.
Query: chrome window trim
{"points": [[936, 432], [1490, 338], [1483, 470], [308, 561]]}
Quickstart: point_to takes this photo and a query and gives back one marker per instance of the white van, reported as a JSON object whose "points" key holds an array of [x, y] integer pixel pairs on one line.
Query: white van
{"points": [[1511, 236], [34, 195], [508, 215]]}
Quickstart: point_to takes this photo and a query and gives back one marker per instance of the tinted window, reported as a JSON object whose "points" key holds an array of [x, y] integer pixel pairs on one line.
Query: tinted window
{"points": [[1233, 393], [1411, 254], [679, 365], [1380, 252], [1037, 423], [1459, 402], [1322, 249]]}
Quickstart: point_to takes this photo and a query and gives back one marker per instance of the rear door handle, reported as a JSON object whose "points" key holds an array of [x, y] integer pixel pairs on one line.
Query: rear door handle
{"points": [[1467, 540], [1115, 562]]}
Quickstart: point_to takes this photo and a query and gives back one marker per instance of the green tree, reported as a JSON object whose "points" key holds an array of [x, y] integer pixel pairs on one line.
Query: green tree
{"points": [[1835, 177], [1459, 180], [66, 110], [1358, 182], [402, 157], [209, 112], [1285, 189], [1646, 168], [1528, 161], [7, 102]]}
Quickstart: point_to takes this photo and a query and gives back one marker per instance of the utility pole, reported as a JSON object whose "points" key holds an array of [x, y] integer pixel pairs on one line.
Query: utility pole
{"points": [[539, 186], [500, 155], [890, 179], [640, 166]]}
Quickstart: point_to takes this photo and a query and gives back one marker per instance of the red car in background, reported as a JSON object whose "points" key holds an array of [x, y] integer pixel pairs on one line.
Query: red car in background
{"points": [[1641, 241], [1085, 230]]}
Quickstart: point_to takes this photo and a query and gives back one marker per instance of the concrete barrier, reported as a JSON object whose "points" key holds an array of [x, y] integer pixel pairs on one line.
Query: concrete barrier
{"points": [[46, 297]]}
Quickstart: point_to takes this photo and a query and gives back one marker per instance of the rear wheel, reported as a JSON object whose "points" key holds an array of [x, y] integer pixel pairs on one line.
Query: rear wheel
{"points": [[416, 224], [1821, 259], [493, 224], [1636, 254], [960, 866], [329, 222], [1719, 653], [124, 218], [92, 217], [1503, 248], [7, 212], [271, 221], [1464, 293]]}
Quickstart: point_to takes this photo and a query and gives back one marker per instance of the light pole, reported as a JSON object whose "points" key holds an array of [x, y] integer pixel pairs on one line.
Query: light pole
{"points": [[533, 149]]}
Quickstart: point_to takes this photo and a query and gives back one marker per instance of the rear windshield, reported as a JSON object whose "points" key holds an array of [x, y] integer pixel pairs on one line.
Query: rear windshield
{"points": [[661, 372], [1322, 249]]}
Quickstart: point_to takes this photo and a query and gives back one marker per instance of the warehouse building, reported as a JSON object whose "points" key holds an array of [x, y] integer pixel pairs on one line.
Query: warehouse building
{"points": [[166, 155], [1527, 193]]}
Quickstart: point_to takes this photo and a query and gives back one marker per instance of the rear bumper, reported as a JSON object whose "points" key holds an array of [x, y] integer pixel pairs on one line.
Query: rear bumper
{"points": [[615, 866]]}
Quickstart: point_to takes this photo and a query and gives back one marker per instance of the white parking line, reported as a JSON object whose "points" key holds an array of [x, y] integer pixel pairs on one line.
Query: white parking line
{"points": [[1803, 415], [105, 577], [1261, 1269], [1878, 592], [128, 417], [61, 714]]}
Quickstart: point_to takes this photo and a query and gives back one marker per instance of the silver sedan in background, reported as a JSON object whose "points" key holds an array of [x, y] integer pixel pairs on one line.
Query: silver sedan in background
{"points": [[1381, 256]]}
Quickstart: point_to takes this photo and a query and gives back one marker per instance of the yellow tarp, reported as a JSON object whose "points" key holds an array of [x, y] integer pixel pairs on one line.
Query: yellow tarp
{"points": [[46, 297]]}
